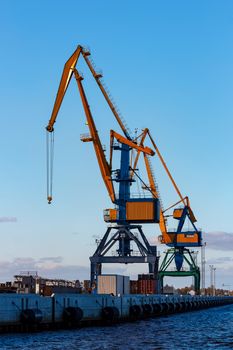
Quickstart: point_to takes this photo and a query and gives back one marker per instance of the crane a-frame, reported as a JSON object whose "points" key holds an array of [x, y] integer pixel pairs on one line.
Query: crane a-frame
{"points": [[129, 212]]}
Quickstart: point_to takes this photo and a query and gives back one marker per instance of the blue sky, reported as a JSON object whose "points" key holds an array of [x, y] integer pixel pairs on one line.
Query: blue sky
{"points": [[168, 65]]}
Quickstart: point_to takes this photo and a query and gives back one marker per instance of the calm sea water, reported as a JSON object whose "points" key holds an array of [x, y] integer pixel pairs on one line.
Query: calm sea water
{"points": [[206, 329]]}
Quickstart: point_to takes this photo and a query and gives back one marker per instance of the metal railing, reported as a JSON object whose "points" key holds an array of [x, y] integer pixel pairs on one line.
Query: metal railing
{"points": [[99, 76], [136, 195]]}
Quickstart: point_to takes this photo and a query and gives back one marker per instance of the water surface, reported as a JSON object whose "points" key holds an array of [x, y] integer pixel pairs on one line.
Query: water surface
{"points": [[205, 329]]}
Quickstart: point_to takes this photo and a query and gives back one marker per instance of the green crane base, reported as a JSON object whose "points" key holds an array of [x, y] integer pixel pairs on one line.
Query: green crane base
{"points": [[169, 258]]}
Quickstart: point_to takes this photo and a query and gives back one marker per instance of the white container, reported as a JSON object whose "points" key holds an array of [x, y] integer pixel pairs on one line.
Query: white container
{"points": [[126, 285], [113, 284]]}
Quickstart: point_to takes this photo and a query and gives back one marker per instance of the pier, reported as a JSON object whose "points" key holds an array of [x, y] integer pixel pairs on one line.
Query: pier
{"points": [[22, 313]]}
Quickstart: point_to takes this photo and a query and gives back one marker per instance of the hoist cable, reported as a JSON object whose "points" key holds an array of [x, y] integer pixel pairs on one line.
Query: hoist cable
{"points": [[50, 157]]}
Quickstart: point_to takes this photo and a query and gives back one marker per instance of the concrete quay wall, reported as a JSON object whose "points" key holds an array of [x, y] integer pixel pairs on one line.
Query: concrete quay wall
{"points": [[22, 312]]}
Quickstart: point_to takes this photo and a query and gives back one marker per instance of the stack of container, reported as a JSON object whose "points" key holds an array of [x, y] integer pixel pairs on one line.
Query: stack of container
{"points": [[146, 284]]}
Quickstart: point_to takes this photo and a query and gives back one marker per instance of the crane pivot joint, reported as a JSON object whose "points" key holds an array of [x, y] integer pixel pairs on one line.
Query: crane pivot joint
{"points": [[49, 128]]}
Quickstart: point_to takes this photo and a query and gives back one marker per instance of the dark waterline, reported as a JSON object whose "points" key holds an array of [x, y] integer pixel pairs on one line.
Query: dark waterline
{"points": [[207, 329]]}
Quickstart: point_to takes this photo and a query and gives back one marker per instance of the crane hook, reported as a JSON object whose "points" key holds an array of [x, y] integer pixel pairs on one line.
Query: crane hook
{"points": [[49, 199]]}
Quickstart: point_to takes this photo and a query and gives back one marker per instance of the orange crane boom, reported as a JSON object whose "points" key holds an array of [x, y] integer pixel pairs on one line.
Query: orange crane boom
{"points": [[103, 164], [64, 83], [105, 167], [67, 73]]}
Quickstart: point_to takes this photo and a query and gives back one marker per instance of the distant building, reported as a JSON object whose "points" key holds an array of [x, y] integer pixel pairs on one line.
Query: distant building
{"points": [[87, 286], [168, 289], [25, 282], [7, 287], [30, 282]]}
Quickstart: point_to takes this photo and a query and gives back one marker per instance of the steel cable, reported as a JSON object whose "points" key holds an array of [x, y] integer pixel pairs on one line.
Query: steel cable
{"points": [[50, 158]]}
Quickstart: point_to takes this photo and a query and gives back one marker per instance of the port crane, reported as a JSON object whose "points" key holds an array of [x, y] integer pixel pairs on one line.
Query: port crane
{"points": [[129, 212], [180, 239]]}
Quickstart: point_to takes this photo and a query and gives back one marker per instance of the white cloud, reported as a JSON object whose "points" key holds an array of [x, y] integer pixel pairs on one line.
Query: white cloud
{"points": [[50, 267], [219, 240], [220, 260], [55, 259]]}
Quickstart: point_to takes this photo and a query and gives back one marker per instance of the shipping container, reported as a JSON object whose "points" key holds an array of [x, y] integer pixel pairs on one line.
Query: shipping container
{"points": [[146, 276], [146, 286], [113, 284], [126, 285]]}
